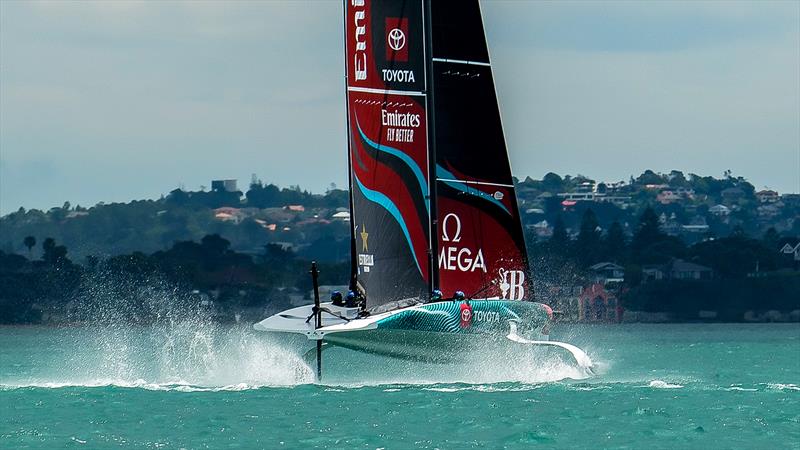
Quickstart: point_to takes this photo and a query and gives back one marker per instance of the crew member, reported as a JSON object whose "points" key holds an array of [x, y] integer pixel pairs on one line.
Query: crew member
{"points": [[351, 301], [336, 298]]}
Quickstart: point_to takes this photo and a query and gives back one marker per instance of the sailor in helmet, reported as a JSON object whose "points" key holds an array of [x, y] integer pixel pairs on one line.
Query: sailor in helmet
{"points": [[351, 301], [336, 298]]}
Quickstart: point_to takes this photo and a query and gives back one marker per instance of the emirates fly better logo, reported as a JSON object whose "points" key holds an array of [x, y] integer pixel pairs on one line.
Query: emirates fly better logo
{"points": [[396, 39]]}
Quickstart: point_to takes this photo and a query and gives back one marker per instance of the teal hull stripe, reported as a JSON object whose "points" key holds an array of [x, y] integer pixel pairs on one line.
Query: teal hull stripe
{"points": [[445, 317]]}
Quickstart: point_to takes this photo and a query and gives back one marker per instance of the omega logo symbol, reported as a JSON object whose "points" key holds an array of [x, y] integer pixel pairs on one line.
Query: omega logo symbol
{"points": [[457, 235], [397, 39]]}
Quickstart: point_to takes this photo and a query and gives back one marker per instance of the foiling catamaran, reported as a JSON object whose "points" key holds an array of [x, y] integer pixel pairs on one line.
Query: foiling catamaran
{"points": [[432, 201]]}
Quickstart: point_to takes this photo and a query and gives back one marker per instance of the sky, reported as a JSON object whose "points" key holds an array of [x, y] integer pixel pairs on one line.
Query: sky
{"points": [[115, 101]]}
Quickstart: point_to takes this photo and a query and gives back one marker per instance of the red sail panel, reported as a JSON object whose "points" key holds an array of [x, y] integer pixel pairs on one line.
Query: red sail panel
{"points": [[481, 247], [480, 252], [388, 148]]}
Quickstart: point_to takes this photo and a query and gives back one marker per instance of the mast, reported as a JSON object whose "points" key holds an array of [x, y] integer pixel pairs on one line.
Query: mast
{"points": [[433, 269], [353, 261], [389, 163]]}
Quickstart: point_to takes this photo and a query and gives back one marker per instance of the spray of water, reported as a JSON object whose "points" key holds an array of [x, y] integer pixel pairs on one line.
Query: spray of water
{"points": [[153, 335]]}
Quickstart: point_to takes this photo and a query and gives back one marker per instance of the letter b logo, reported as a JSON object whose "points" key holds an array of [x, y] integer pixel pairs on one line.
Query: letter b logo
{"points": [[517, 282]]}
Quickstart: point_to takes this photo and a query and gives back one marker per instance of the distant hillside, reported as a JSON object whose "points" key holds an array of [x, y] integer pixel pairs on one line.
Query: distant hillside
{"points": [[695, 248], [691, 207]]}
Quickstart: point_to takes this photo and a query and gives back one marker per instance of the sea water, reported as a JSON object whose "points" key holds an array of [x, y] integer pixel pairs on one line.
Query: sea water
{"points": [[189, 383]]}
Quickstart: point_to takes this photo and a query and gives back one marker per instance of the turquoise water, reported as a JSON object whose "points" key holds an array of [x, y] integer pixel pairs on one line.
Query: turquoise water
{"points": [[191, 384]]}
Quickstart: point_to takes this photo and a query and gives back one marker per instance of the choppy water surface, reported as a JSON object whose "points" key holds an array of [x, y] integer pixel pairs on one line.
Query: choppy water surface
{"points": [[186, 383]]}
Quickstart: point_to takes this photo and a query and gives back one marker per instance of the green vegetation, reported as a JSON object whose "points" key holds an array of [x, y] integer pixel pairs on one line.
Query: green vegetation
{"points": [[242, 249], [746, 274], [233, 282]]}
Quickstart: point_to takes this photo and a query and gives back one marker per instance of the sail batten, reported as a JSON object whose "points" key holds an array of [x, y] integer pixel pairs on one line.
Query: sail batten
{"points": [[459, 61]]}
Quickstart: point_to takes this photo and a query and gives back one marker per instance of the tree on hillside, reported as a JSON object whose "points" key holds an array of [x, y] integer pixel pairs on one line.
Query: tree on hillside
{"points": [[552, 182], [650, 177], [650, 245], [588, 244], [29, 242], [52, 253], [615, 243], [215, 245], [771, 239], [648, 230], [559, 241], [735, 256], [48, 245], [260, 196]]}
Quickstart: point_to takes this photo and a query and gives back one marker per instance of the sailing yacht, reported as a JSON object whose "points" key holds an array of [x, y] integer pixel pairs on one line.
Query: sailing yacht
{"points": [[438, 255]]}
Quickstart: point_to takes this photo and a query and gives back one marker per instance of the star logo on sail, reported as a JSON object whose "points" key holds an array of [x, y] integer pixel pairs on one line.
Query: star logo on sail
{"points": [[364, 237], [365, 260]]}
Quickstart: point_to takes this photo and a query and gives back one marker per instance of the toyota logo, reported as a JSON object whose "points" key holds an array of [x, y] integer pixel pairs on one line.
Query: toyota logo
{"points": [[396, 39], [466, 315]]}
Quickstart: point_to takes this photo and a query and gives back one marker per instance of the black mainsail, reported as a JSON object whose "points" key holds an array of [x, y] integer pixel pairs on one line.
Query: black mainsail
{"points": [[431, 208]]}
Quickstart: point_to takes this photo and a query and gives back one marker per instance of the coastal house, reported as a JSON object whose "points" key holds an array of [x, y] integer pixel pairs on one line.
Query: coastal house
{"points": [[342, 216], [608, 272], [677, 269], [585, 186], [228, 214], [266, 225], [223, 185], [76, 214], [669, 225], [667, 196], [732, 194], [571, 198], [794, 250], [691, 228], [768, 210], [295, 208], [720, 210], [598, 304], [767, 196], [697, 224], [580, 196]]}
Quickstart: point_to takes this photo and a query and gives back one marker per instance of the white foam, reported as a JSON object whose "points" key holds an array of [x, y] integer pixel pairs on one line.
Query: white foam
{"points": [[783, 387], [740, 389], [659, 384]]}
